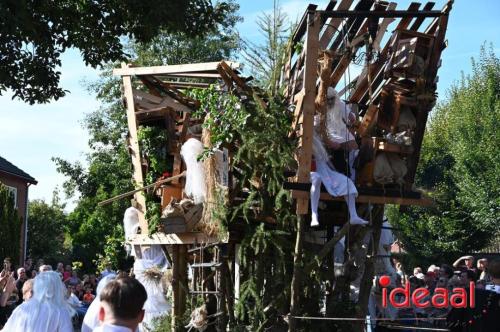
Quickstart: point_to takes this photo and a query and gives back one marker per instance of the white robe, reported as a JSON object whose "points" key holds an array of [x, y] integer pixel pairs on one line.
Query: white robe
{"points": [[33, 316]]}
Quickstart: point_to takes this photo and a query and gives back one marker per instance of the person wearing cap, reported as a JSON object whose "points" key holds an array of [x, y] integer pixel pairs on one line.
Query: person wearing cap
{"points": [[468, 264]]}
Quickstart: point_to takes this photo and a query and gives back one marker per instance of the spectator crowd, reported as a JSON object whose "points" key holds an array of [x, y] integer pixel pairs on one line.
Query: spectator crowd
{"points": [[42, 291]]}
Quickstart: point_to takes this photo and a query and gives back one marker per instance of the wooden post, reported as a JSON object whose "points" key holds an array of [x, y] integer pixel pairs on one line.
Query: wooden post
{"points": [[306, 135], [175, 287], [367, 279], [179, 282], [305, 154], [135, 151]]}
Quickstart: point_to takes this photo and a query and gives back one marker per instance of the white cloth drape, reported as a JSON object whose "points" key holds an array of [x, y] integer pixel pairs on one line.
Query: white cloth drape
{"points": [[195, 173], [36, 316]]}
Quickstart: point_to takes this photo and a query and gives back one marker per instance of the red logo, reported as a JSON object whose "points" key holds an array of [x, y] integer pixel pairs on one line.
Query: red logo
{"points": [[420, 297]]}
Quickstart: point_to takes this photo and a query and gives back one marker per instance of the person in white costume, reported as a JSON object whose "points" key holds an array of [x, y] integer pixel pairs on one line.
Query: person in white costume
{"points": [[46, 311], [336, 184], [339, 115], [156, 305]]}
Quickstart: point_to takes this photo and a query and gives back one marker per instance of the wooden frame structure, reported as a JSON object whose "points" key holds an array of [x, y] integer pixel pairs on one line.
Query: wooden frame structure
{"points": [[345, 34], [155, 95], [390, 81]]}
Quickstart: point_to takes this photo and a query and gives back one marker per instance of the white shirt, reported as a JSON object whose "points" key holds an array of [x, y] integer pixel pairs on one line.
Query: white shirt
{"points": [[111, 328]]}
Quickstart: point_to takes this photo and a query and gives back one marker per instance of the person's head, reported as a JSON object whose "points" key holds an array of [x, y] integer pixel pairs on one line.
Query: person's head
{"points": [[45, 268], [122, 302], [442, 282], [27, 289], [88, 290], [78, 287], [7, 263], [68, 268], [60, 267], [469, 261], [92, 278], [48, 287], [494, 269], [74, 274], [28, 262], [21, 273], [446, 271], [417, 270], [40, 262], [482, 264]]}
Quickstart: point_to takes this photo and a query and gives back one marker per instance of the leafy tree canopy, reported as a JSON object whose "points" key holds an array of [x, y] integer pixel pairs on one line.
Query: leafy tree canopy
{"points": [[34, 34], [46, 230], [460, 164], [10, 225]]}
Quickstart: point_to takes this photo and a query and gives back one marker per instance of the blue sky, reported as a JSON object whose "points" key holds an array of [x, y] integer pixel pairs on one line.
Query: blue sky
{"points": [[31, 135]]}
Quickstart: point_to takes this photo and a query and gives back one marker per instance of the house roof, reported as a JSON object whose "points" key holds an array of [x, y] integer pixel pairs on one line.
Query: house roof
{"points": [[7, 167]]}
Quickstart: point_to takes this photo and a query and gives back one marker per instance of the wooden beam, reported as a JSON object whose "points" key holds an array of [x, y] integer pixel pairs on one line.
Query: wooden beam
{"points": [[423, 201], [380, 13], [173, 69], [332, 26], [302, 26], [174, 238], [308, 108], [418, 22], [135, 151]]}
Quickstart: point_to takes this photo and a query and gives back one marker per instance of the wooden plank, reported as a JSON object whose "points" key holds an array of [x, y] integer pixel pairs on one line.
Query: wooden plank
{"points": [[424, 201], [172, 69], [418, 22], [176, 313], [332, 26], [302, 26], [310, 74], [135, 152], [297, 113], [379, 13], [174, 238], [154, 103], [377, 67], [426, 106]]}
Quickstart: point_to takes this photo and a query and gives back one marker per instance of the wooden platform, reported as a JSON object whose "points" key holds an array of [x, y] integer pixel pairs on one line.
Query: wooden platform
{"points": [[178, 238], [365, 195]]}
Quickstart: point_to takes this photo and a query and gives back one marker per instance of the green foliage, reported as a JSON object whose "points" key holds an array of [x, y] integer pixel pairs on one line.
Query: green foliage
{"points": [[36, 33], [267, 60], [46, 231], [10, 224], [460, 163], [263, 153]]}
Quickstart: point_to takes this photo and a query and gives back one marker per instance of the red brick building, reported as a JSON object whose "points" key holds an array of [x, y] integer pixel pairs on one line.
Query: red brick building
{"points": [[18, 182]]}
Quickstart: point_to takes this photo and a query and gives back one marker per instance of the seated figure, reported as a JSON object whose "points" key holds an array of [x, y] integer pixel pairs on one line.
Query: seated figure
{"points": [[336, 184], [337, 137]]}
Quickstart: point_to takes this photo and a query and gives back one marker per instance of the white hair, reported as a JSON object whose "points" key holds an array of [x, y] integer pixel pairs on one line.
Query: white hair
{"points": [[49, 288]]}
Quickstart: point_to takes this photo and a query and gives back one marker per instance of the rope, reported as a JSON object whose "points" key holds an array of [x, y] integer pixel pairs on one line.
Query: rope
{"points": [[369, 319]]}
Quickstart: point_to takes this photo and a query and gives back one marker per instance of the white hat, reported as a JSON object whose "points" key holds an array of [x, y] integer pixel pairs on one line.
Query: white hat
{"points": [[420, 275]]}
